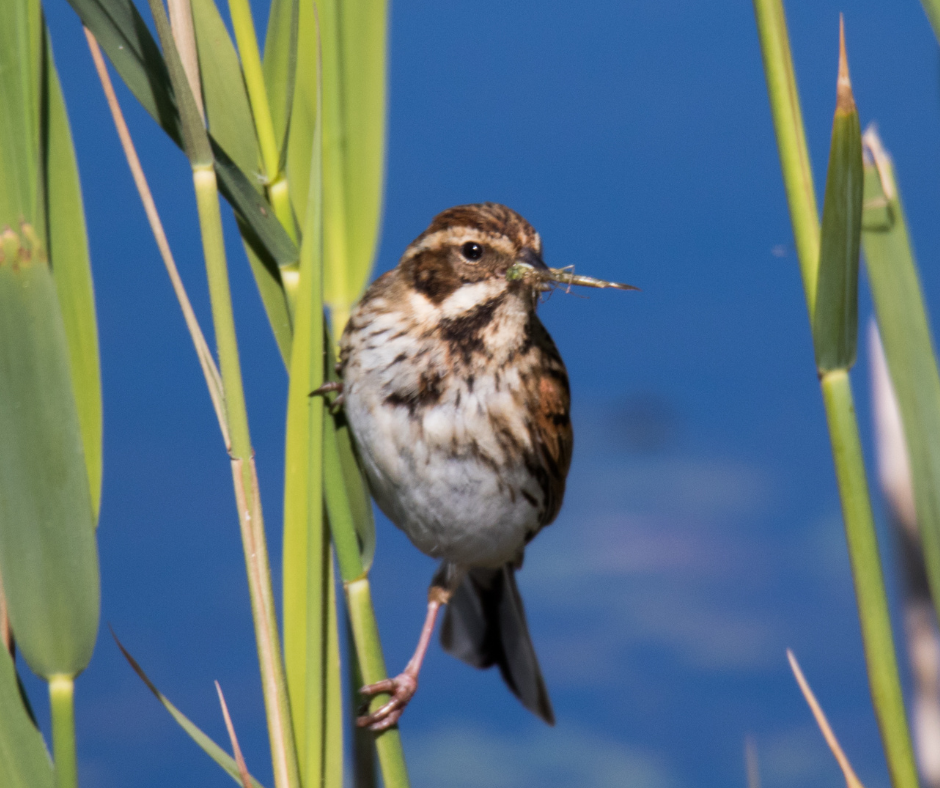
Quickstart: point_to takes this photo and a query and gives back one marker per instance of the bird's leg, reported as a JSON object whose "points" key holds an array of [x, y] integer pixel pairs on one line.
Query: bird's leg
{"points": [[403, 687]]}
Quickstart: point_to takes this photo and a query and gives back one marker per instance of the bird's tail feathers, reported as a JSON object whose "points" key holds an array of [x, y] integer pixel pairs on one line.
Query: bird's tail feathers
{"points": [[485, 625]]}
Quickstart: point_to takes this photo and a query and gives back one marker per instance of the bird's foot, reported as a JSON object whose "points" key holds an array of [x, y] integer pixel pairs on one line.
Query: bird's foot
{"points": [[329, 388], [402, 688]]}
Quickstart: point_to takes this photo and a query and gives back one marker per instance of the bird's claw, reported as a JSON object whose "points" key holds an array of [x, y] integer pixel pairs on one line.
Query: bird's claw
{"points": [[402, 688], [328, 388]]}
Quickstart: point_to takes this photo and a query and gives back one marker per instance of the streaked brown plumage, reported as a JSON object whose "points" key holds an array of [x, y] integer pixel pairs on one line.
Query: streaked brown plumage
{"points": [[459, 403]]}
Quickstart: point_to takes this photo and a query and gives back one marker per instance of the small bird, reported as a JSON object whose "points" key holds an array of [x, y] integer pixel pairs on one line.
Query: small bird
{"points": [[458, 402]]}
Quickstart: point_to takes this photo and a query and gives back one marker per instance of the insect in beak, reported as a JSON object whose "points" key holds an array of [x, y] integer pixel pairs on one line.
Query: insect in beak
{"points": [[530, 269]]}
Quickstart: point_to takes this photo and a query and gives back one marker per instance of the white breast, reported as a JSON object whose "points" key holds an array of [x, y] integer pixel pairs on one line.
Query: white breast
{"points": [[439, 470]]}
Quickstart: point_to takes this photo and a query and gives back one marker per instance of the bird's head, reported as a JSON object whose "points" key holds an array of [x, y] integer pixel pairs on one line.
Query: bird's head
{"points": [[471, 254], [471, 248]]}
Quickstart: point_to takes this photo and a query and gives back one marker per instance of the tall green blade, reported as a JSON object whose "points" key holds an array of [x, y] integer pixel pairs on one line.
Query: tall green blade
{"points": [[71, 267], [48, 558], [353, 74], [363, 61], [24, 762], [791, 139], [311, 644], [835, 318], [909, 347]]}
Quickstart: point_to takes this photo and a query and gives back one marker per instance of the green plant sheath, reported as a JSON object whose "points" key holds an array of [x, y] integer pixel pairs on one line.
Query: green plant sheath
{"points": [[62, 703], [869, 581]]}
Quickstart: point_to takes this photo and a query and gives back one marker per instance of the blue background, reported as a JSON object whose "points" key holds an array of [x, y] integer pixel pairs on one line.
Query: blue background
{"points": [[701, 535]]}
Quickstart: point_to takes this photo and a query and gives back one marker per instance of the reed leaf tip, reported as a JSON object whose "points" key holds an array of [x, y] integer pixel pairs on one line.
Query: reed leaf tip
{"points": [[845, 101]]}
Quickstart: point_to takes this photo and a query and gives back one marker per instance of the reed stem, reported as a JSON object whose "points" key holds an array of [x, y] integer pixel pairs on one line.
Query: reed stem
{"points": [[274, 683], [791, 139], [62, 706], [870, 595]]}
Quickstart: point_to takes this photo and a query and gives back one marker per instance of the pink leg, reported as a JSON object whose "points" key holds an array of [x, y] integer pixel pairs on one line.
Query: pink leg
{"points": [[405, 684]]}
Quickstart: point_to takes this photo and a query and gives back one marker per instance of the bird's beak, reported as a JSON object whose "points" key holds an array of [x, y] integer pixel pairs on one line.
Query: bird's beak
{"points": [[531, 269], [531, 258]]}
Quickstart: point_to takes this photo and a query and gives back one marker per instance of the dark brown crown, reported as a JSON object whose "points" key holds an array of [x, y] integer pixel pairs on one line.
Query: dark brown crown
{"points": [[489, 218]]}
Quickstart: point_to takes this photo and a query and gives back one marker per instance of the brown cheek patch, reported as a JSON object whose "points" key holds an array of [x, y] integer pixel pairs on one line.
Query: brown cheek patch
{"points": [[432, 275]]}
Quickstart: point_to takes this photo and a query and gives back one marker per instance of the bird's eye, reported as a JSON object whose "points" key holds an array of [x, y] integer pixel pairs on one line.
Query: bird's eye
{"points": [[472, 251]]}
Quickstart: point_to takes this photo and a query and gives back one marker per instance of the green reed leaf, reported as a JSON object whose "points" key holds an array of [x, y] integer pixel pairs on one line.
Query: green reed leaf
{"points": [[24, 761], [71, 268], [311, 639], [909, 347], [48, 557], [280, 67], [227, 109], [363, 26], [835, 317], [21, 67]]}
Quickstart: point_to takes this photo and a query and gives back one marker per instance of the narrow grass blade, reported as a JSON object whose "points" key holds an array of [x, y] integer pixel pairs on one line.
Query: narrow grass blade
{"points": [[206, 360], [909, 347], [48, 556], [71, 268], [236, 750], [835, 319], [24, 762], [791, 139], [851, 779], [208, 746]]}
